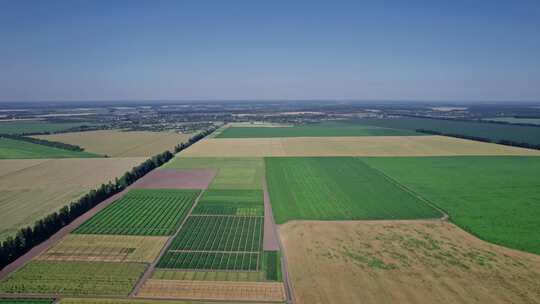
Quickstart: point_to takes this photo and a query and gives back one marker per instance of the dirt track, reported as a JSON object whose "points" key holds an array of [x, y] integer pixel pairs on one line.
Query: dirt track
{"points": [[404, 262]]}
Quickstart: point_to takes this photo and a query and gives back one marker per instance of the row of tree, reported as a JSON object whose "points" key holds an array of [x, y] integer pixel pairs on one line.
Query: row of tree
{"points": [[28, 237], [483, 139], [54, 144]]}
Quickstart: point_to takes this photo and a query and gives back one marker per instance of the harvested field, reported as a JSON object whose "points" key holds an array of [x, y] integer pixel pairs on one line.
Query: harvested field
{"points": [[337, 188], [177, 179], [205, 290], [116, 143], [19, 149], [496, 198], [201, 275], [30, 189], [348, 146], [232, 173], [105, 248], [404, 262], [74, 278], [143, 212]]}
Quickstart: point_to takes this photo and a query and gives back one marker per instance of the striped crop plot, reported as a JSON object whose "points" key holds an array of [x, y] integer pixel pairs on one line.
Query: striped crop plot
{"points": [[216, 242], [231, 202], [142, 212]]}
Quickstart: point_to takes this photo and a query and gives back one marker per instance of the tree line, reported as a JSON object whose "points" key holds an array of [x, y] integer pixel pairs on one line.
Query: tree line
{"points": [[44, 142], [483, 139], [26, 238]]}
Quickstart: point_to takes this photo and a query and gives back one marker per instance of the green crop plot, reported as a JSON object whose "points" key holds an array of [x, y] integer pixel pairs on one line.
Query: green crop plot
{"points": [[208, 275], [142, 212], [272, 265], [74, 278], [231, 202], [220, 233], [18, 149], [493, 131], [337, 188], [495, 198], [26, 301], [210, 260], [314, 130], [233, 173], [37, 126]]}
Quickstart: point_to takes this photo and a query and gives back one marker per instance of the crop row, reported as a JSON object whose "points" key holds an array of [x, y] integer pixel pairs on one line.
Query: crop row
{"points": [[220, 233], [74, 278], [227, 209], [143, 212], [210, 260]]}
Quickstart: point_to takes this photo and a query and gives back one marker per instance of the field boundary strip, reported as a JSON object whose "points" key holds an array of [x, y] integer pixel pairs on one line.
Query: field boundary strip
{"points": [[444, 216], [272, 229], [150, 269]]}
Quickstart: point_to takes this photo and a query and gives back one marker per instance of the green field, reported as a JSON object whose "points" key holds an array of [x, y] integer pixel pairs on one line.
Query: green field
{"points": [[514, 120], [493, 131], [337, 188], [495, 198], [220, 233], [233, 173], [272, 265], [18, 149], [74, 278], [26, 301], [36, 126], [142, 212], [231, 202], [210, 260], [312, 130]]}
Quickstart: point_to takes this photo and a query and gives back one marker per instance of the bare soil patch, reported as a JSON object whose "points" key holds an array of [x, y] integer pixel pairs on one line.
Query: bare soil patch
{"points": [[207, 290], [349, 146], [404, 262], [177, 179]]}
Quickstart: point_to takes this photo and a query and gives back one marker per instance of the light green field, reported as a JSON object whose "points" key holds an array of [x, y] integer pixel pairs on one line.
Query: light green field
{"points": [[233, 173], [74, 278], [337, 188], [231, 202], [200, 275], [18, 149], [496, 198]]}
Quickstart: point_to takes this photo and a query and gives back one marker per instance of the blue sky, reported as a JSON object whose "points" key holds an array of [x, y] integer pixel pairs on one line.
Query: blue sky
{"points": [[368, 50]]}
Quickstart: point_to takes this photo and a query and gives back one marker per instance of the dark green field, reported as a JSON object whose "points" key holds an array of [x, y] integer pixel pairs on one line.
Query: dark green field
{"points": [[142, 212], [210, 260], [17, 149], [492, 131], [231, 202], [25, 301], [337, 188], [314, 130], [36, 126], [495, 198]]}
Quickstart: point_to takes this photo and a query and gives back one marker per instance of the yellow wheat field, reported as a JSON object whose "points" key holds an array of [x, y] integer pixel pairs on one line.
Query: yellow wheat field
{"points": [[116, 143], [207, 290], [32, 189], [349, 146]]}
